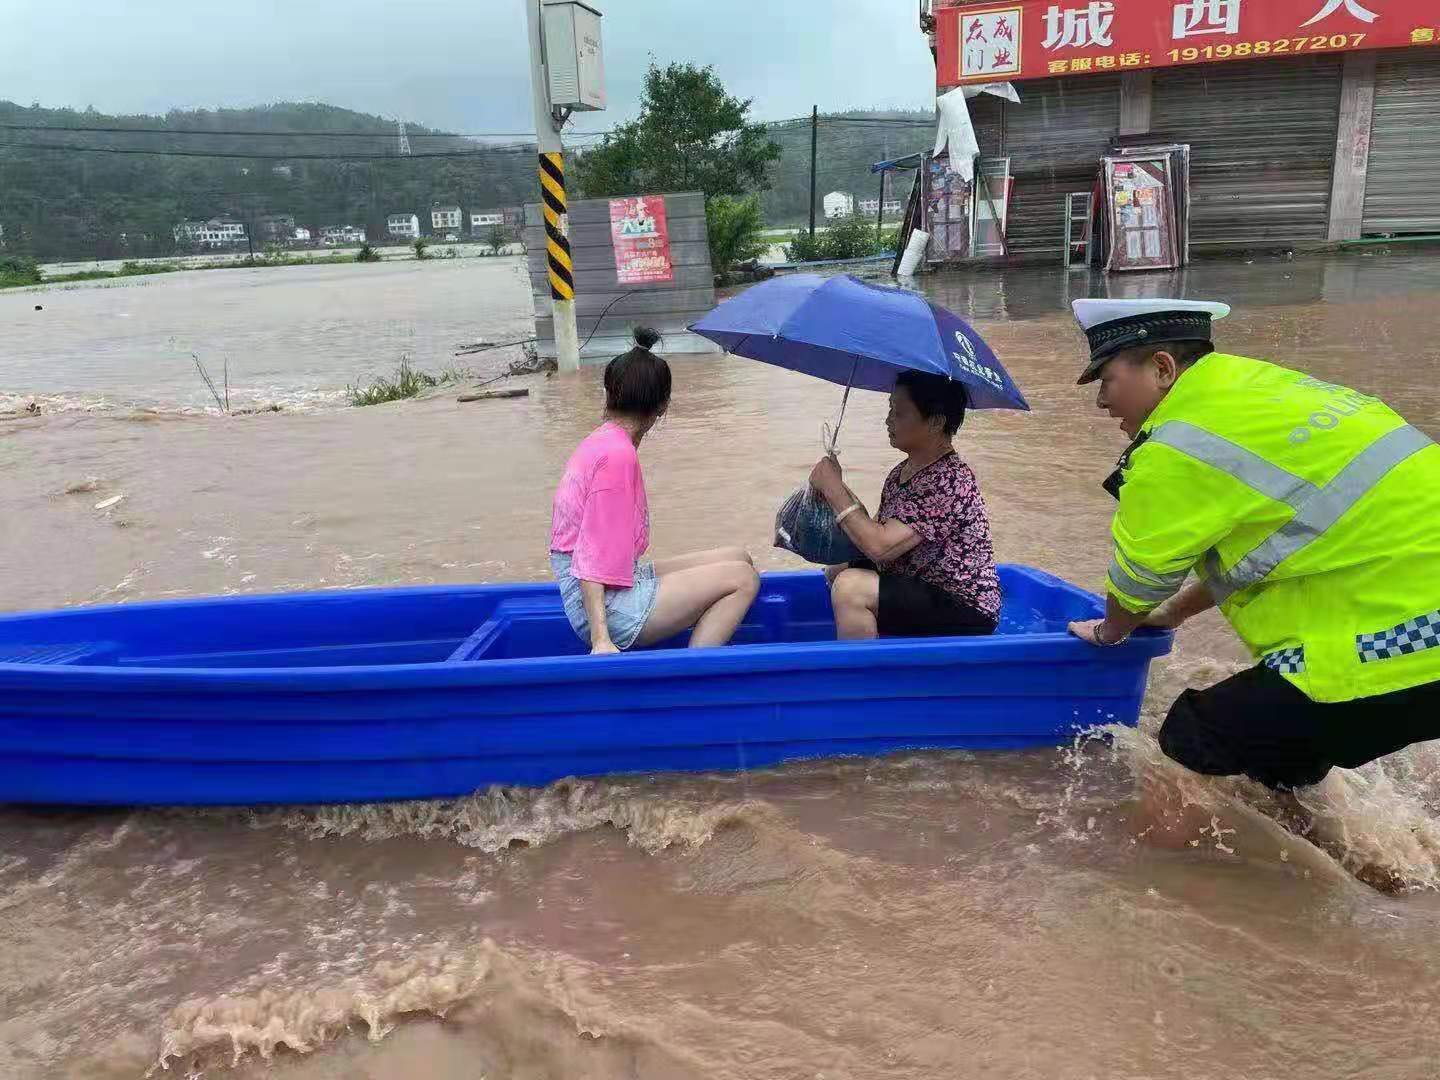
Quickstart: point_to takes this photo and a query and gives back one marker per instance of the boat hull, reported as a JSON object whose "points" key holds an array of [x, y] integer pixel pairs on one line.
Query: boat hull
{"points": [[361, 696]]}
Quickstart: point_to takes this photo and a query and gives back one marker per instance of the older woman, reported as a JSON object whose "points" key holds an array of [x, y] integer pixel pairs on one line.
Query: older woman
{"points": [[929, 567]]}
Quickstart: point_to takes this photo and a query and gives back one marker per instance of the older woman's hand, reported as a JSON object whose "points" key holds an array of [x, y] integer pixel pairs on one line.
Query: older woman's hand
{"points": [[828, 478]]}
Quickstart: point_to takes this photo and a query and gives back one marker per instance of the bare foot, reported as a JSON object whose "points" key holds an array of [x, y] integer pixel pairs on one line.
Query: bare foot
{"points": [[1290, 813], [1383, 879]]}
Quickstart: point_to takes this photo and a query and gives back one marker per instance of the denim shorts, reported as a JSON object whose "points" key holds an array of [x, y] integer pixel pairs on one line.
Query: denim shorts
{"points": [[626, 610]]}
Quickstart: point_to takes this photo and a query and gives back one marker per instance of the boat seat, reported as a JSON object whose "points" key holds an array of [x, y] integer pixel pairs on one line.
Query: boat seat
{"points": [[69, 652], [491, 633]]}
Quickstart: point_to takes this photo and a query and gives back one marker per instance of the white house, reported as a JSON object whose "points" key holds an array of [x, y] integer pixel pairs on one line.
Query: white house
{"points": [[302, 234], [217, 232], [445, 219], [868, 207], [482, 220], [337, 235], [403, 226], [838, 204]]}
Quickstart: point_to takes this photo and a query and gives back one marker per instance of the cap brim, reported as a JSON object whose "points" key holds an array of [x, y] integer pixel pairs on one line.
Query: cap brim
{"points": [[1099, 359]]}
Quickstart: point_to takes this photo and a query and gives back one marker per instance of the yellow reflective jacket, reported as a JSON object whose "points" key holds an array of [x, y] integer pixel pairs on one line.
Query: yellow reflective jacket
{"points": [[1310, 511]]}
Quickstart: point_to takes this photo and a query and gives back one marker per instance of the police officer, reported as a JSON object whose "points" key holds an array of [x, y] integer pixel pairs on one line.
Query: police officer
{"points": [[1308, 512]]}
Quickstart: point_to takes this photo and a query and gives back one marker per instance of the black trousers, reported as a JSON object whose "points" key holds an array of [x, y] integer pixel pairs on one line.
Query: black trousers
{"points": [[910, 607], [1259, 724]]}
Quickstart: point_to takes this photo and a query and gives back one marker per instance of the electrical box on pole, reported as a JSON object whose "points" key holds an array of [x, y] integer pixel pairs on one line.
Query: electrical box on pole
{"points": [[574, 58]]}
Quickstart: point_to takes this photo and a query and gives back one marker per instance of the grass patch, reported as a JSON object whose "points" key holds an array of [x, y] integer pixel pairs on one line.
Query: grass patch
{"points": [[406, 382], [15, 279], [17, 271], [129, 269]]}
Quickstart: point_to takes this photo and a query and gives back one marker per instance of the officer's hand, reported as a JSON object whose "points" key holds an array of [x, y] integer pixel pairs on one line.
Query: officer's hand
{"points": [[1086, 631]]}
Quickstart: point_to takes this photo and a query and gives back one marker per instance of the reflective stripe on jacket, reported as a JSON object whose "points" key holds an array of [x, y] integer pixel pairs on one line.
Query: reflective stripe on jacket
{"points": [[1311, 512]]}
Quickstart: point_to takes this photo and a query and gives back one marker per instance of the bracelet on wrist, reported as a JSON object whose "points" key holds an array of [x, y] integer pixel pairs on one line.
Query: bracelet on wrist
{"points": [[1100, 638]]}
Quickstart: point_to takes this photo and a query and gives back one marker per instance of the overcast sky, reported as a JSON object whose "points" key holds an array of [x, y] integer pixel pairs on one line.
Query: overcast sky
{"points": [[455, 64]]}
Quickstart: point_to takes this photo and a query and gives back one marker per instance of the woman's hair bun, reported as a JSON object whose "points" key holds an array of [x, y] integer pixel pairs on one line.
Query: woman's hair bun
{"points": [[646, 337]]}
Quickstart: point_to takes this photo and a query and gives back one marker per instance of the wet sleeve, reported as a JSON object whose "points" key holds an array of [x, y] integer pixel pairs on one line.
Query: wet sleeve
{"points": [[608, 528], [1173, 509]]}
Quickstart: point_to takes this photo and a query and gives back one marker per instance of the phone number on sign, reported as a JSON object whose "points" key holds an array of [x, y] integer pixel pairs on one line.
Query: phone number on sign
{"points": [[1268, 48]]}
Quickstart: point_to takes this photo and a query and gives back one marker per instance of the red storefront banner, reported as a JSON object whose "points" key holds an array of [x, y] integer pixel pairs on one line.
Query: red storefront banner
{"points": [[642, 240], [1033, 39]]}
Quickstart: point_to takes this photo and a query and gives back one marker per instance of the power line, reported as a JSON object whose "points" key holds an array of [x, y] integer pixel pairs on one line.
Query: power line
{"points": [[928, 122], [274, 134], [480, 152], [327, 134]]}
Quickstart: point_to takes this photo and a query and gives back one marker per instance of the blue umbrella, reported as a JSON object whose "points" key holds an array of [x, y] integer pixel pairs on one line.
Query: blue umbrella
{"points": [[852, 333]]}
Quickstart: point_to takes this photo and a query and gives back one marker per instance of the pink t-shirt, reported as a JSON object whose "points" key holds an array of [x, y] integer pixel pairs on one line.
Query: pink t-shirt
{"points": [[601, 518]]}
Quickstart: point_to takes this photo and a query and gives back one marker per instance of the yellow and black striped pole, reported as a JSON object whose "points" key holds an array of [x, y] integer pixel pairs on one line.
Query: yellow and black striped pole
{"points": [[557, 240], [558, 260], [560, 267]]}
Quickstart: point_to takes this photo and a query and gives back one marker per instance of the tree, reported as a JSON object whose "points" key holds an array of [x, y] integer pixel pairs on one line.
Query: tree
{"points": [[735, 229], [849, 237], [498, 239], [690, 136]]}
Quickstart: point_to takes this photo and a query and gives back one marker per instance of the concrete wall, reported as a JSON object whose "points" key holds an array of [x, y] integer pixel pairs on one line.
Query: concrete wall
{"points": [[667, 306]]}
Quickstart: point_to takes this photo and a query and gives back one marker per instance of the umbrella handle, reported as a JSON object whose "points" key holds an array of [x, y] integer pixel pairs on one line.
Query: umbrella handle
{"points": [[832, 438]]}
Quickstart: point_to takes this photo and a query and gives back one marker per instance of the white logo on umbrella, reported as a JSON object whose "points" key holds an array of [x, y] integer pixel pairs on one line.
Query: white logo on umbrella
{"points": [[966, 345], [971, 362]]}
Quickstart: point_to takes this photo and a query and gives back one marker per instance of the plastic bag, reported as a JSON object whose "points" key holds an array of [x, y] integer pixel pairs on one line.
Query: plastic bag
{"points": [[805, 524]]}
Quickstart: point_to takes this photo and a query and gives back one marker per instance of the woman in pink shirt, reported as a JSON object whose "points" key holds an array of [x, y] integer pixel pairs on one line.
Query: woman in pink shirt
{"points": [[601, 527]]}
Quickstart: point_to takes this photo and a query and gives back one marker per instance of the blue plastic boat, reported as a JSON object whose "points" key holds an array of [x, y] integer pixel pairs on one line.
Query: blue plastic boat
{"points": [[425, 692]]}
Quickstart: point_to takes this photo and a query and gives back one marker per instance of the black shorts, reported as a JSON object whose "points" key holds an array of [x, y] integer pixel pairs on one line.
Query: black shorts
{"points": [[910, 607], [1260, 724]]}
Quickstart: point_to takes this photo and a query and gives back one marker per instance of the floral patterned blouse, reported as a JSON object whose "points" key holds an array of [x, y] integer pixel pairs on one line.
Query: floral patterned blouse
{"points": [[942, 504]]}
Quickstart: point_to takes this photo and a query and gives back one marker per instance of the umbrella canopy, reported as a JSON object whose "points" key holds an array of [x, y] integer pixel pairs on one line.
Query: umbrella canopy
{"points": [[852, 333]]}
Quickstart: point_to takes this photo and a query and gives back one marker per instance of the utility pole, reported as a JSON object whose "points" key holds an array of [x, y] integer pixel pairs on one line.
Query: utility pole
{"points": [[552, 200], [880, 212], [814, 137]]}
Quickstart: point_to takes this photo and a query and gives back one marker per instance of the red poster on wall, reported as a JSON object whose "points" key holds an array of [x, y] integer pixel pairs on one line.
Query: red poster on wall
{"points": [[1033, 39], [641, 239]]}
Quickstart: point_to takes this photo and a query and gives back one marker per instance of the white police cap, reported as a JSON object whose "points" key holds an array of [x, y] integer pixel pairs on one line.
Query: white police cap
{"points": [[1114, 325]]}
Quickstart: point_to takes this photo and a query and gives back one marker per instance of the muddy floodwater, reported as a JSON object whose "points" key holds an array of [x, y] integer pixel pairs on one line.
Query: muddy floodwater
{"points": [[919, 916]]}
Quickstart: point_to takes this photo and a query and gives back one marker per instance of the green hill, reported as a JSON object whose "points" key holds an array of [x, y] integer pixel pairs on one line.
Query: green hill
{"points": [[848, 144], [59, 203], [323, 170]]}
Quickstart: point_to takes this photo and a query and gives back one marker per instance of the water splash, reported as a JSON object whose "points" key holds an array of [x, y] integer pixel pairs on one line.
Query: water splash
{"points": [[502, 817], [1380, 822], [433, 982]]}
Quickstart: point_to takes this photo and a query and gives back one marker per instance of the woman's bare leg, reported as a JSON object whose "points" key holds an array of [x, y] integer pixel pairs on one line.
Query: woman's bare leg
{"points": [[692, 559], [855, 595], [713, 598]]}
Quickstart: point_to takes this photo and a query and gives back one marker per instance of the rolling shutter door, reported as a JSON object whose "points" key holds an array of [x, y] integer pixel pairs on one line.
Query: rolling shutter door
{"points": [[1054, 139], [1262, 143], [1402, 190]]}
